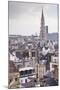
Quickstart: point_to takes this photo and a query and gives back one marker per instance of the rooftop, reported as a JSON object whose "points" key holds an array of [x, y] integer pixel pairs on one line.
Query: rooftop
{"points": [[25, 68]]}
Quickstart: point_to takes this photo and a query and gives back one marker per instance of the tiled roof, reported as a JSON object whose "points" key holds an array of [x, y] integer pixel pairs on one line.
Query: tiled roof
{"points": [[12, 67]]}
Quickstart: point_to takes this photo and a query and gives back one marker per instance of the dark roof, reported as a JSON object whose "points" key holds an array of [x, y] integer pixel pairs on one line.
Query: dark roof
{"points": [[51, 82], [29, 84], [43, 61], [12, 67]]}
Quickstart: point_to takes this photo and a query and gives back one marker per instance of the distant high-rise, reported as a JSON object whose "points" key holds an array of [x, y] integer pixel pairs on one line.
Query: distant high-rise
{"points": [[43, 31]]}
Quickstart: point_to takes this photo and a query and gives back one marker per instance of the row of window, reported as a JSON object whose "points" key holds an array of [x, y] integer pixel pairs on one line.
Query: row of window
{"points": [[26, 72], [23, 81], [25, 54]]}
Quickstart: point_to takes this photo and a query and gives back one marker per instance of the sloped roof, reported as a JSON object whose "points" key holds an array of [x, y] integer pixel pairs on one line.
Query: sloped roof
{"points": [[12, 67]]}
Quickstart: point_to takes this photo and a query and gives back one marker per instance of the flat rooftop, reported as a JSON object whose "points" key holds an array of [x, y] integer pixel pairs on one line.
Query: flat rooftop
{"points": [[25, 68]]}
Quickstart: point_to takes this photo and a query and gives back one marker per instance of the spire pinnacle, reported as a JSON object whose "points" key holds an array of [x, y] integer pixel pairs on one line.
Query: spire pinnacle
{"points": [[42, 17]]}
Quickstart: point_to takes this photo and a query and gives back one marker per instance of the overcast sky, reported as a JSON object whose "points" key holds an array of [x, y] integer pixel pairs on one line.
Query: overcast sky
{"points": [[25, 18]]}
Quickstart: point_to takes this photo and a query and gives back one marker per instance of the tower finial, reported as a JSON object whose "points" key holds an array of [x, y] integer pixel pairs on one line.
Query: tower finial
{"points": [[42, 17]]}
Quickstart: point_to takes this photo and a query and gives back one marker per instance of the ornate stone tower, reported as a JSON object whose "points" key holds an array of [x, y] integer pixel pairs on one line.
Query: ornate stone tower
{"points": [[43, 33]]}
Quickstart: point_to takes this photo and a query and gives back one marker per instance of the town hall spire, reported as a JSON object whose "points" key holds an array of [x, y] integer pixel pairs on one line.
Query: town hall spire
{"points": [[43, 33]]}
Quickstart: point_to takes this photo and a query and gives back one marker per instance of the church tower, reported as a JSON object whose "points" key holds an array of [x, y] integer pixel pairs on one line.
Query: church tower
{"points": [[43, 33]]}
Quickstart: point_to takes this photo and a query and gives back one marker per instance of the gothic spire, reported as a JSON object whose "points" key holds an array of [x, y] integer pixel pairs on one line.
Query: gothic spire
{"points": [[42, 18]]}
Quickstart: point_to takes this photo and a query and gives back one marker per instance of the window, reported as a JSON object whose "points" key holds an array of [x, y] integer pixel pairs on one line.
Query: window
{"points": [[26, 72], [21, 73], [33, 54], [10, 81], [25, 80], [25, 54], [55, 60], [15, 79], [30, 71], [18, 54]]}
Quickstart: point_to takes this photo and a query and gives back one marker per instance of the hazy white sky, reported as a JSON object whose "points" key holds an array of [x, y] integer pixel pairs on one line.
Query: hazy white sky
{"points": [[25, 18]]}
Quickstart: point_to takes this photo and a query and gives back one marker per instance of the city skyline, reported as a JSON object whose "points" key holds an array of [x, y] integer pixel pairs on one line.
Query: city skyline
{"points": [[25, 18], [33, 45]]}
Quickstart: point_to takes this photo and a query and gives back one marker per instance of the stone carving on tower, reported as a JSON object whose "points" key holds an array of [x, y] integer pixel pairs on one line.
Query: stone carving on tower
{"points": [[43, 32]]}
